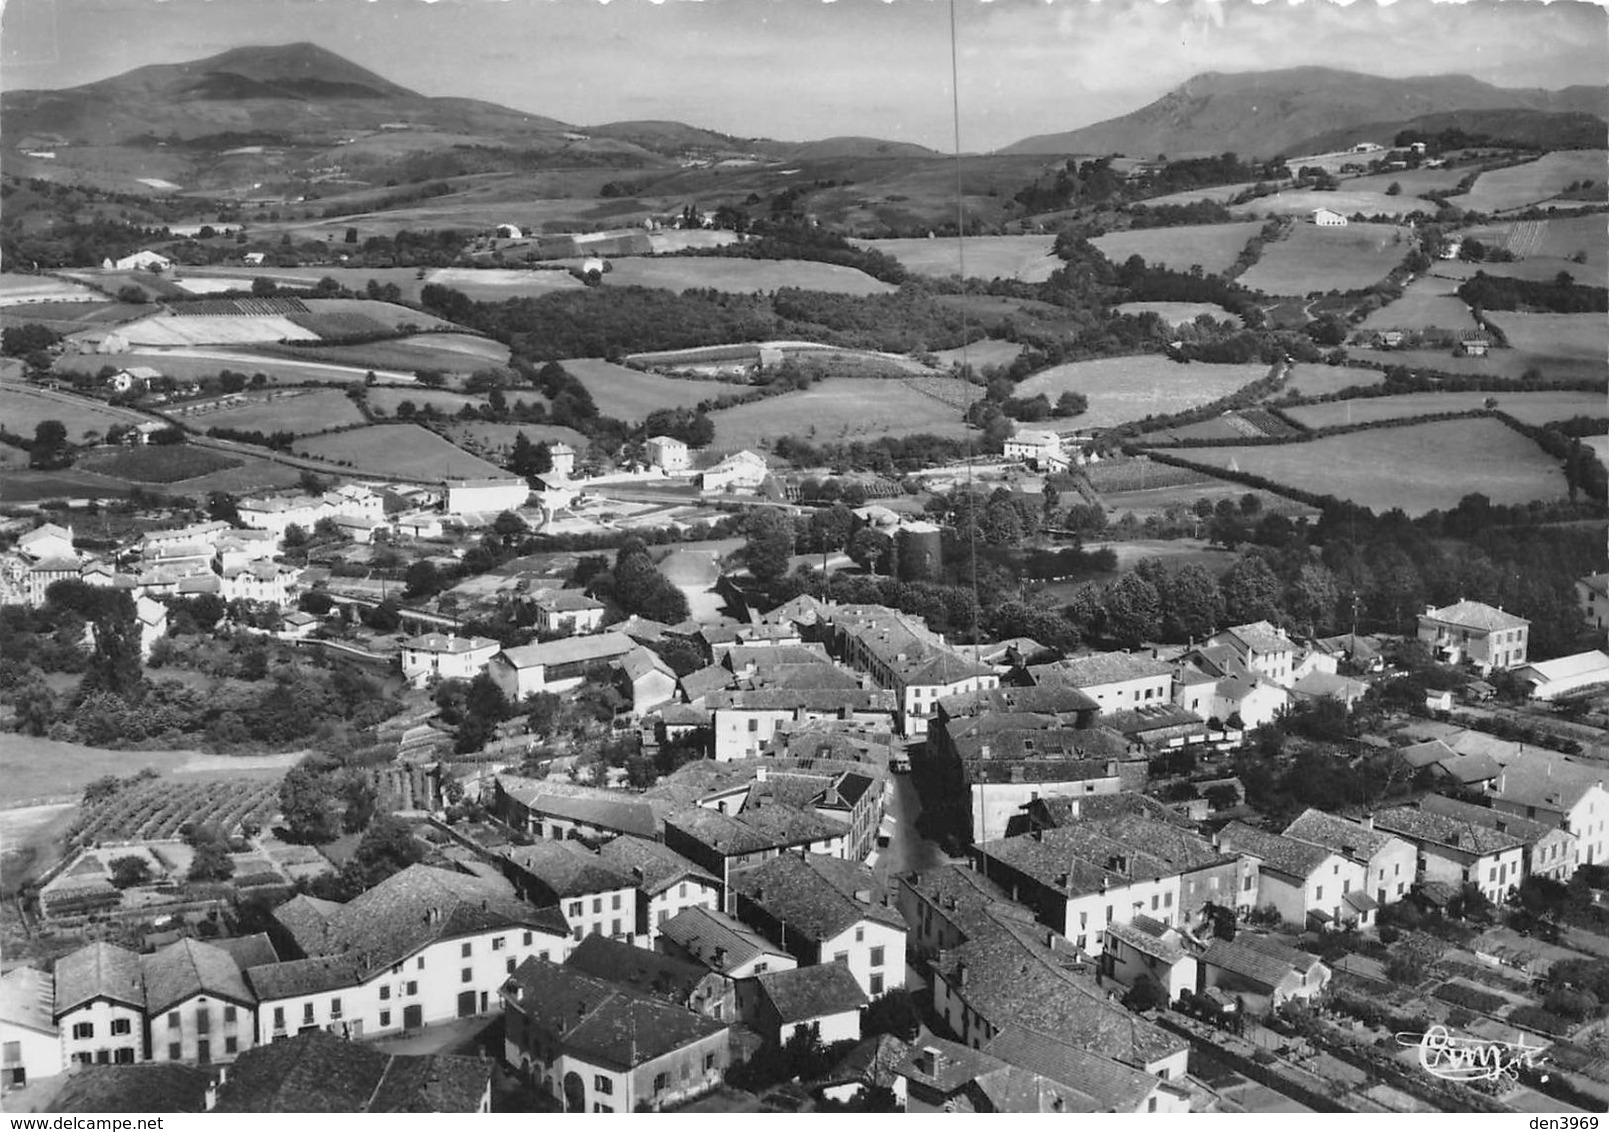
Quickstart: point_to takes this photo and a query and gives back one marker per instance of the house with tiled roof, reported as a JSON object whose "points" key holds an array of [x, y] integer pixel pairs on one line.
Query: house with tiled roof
{"points": [[1147, 950], [645, 680], [654, 973], [825, 910], [1305, 883], [137, 1090], [1389, 863], [555, 666], [1329, 686], [48, 540], [1550, 787], [445, 656], [1262, 972], [1550, 851], [944, 1076], [1113, 1086], [746, 721], [667, 882], [945, 906], [1114, 680], [199, 1005], [317, 1072], [699, 683], [426, 945], [1475, 633], [568, 613], [99, 1006], [593, 896], [596, 1046], [1264, 649], [826, 997], [721, 842], [28, 1033], [872, 1063], [1456, 851], [901, 654], [725, 945], [1592, 598]]}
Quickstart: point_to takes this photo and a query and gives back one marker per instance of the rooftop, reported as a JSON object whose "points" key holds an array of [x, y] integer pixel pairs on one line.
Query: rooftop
{"points": [[449, 643], [1262, 960], [99, 970], [1475, 615], [1449, 830], [1339, 835], [1547, 779], [655, 864], [318, 1072], [704, 932], [814, 894], [647, 972], [27, 997], [188, 968], [1276, 851], [1114, 1087], [142, 1089], [570, 650], [1259, 637], [1109, 668], [811, 992], [567, 869]]}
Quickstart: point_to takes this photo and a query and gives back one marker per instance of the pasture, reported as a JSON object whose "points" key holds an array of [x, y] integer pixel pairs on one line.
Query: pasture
{"points": [[337, 318], [1564, 339], [1516, 186], [1501, 363], [1129, 389], [1418, 468], [630, 395], [1312, 259], [217, 330], [491, 285], [21, 410], [1311, 380], [1025, 258], [353, 278], [979, 355], [386, 399], [295, 410], [1536, 408], [36, 770], [404, 450], [837, 410], [1302, 202], [164, 464], [1414, 182], [1430, 300], [196, 362], [1174, 314], [19, 290], [495, 441], [1215, 247], [740, 276], [1221, 193], [452, 353]]}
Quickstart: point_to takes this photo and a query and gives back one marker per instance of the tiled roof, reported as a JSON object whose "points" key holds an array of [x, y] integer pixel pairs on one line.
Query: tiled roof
{"points": [[570, 650], [815, 895], [99, 970], [308, 919], [303, 976], [965, 898], [1471, 768], [872, 1062], [27, 998], [700, 931], [794, 699], [813, 992], [1252, 963], [1597, 582], [567, 869], [703, 681], [1326, 685], [1475, 615], [1428, 753], [627, 965], [1337, 834], [616, 814], [1109, 668], [448, 643], [568, 601], [319, 1072], [1114, 1086], [143, 1089], [1065, 811], [773, 826], [594, 1019], [1087, 856], [188, 968], [1283, 854], [1168, 951], [1447, 830], [656, 865], [1548, 779], [640, 662], [1044, 699], [1259, 637], [1524, 828]]}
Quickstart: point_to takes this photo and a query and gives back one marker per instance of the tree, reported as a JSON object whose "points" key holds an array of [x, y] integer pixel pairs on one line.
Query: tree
{"points": [[49, 448], [263, 286], [870, 548], [1250, 591], [770, 535], [830, 528], [351, 236], [1394, 189], [1071, 404], [509, 526], [308, 805], [529, 459], [115, 665], [388, 846], [128, 872], [1133, 611], [211, 845], [423, 579], [894, 1013]]}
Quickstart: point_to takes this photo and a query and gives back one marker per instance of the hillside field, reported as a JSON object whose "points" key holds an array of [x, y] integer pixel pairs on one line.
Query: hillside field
{"points": [[21, 410], [988, 352], [385, 399], [1210, 192], [453, 353], [837, 410], [630, 395], [1536, 408], [404, 450], [1534, 182], [1128, 389], [25, 290], [1430, 300], [1310, 380], [1302, 202], [300, 411], [1414, 182], [1418, 468], [1566, 339], [1025, 258], [1176, 313], [740, 276], [1215, 247], [1312, 259], [164, 464], [195, 362], [491, 285]]}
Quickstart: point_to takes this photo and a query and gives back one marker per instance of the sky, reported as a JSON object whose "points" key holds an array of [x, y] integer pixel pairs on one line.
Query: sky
{"points": [[803, 69]]}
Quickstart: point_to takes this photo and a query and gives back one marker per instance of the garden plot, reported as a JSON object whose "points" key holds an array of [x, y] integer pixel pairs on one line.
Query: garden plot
{"points": [[1215, 247], [1313, 259], [217, 330], [1129, 389]]}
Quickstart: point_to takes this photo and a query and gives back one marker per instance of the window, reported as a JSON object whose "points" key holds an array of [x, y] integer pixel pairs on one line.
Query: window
{"points": [[761, 968], [664, 914], [597, 905], [576, 908], [860, 935], [412, 989], [682, 890], [385, 992], [709, 1062], [279, 1017], [614, 902], [465, 950], [877, 957], [231, 1044], [602, 1084], [124, 1056], [307, 1012], [83, 1030], [530, 938], [877, 985], [173, 1019], [1156, 901], [466, 975], [175, 1051], [511, 966], [661, 1082], [579, 934], [754, 725], [840, 957], [121, 1027], [385, 1018], [1167, 897], [497, 943], [1318, 893], [1247, 885], [596, 1107], [421, 963], [228, 1015], [203, 1020], [335, 1008]]}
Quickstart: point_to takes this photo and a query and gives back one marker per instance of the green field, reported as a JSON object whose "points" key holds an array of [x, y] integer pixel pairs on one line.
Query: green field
{"points": [[452, 353], [987, 352], [1500, 363], [164, 464], [1564, 339], [1176, 313], [1302, 202], [495, 441], [196, 362], [1414, 182], [1430, 300], [491, 285], [1536, 408], [1418, 468], [740, 276], [1534, 182], [835, 410], [1312, 259], [404, 450], [300, 411], [21, 410], [385, 399], [1210, 192], [353, 278], [630, 395], [1215, 247], [1026, 258], [1317, 380], [1128, 389]]}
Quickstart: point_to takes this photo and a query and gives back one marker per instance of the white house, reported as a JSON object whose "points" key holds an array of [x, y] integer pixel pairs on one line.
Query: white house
{"points": [[197, 1004], [727, 946], [668, 454], [1264, 649], [99, 1008], [1456, 851], [1144, 949], [491, 495], [445, 656], [139, 261], [47, 541], [569, 612], [153, 619], [741, 470], [30, 1043], [1041, 448], [555, 666], [1389, 863], [826, 996], [1328, 218], [1119, 681], [1550, 787], [667, 882], [1475, 632], [1303, 881]]}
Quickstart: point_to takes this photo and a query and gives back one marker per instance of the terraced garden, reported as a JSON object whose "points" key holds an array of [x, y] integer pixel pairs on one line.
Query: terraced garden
{"points": [[157, 808]]}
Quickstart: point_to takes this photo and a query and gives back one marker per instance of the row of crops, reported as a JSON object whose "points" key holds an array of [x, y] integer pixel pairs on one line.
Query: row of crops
{"points": [[156, 808]]}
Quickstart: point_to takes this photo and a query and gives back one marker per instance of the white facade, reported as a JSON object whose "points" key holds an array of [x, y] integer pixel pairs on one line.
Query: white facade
{"points": [[689, 892], [101, 1032], [202, 1030], [449, 657], [468, 497], [1321, 890], [1087, 915], [668, 454], [873, 952], [1328, 218]]}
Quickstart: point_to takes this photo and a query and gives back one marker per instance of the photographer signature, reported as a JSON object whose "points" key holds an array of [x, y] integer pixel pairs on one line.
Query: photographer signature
{"points": [[1470, 1059]]}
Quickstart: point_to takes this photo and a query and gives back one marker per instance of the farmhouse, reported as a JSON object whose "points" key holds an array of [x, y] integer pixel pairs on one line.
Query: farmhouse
{"points": [[1592, 595], [667, 882], [100, 1006], [1328, 218], [198, 1005], [1475, 632], [438, 656], [1262, 972], [1474, 344], [779, 1004], [139, 261], [1040, 448], [1550, 851], [486, 496], [554, 666], [125, 380], [594, 897], [1304, 882], [1389, 863], [668, 454], [744, 470], [1266, 651], [1459, 852], [28, 1033]]}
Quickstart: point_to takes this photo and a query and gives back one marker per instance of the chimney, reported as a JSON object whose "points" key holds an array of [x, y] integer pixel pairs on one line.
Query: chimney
{"points": [[927, 1062], [1063, 880], [961, 972], [863, 895], [1368, 821], [720, 956], [759, 773]]}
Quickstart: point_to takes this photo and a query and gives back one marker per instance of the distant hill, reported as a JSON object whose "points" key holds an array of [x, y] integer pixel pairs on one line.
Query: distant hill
{"points": [[833, 148], [1542, 128], [1264, 113]]}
